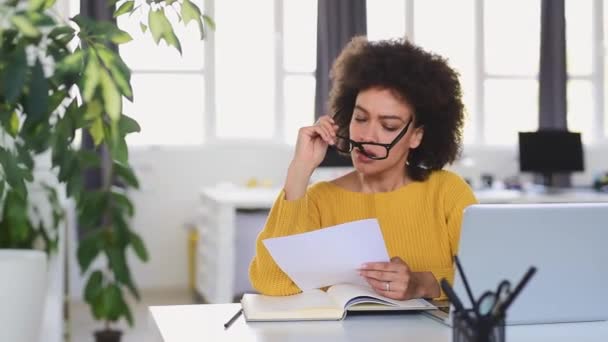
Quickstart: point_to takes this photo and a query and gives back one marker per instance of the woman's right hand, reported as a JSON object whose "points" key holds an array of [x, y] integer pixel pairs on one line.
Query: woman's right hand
{"points": [[313, 141]]}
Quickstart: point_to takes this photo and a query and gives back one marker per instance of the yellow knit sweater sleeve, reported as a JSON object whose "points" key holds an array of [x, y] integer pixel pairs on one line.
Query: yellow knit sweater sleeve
{"points": [[457, 195], [285, 218]]}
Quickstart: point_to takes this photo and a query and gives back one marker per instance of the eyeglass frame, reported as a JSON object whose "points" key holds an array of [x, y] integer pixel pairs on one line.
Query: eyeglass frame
{"points": [[388, 147]]}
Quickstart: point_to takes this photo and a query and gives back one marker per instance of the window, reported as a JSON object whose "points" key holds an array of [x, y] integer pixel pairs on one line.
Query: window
{"points": [[581, 73], [245, 69], [265, 86], [253, 78], [477, 37], [451, 33], [299, 64], [511, 59], [385, 19], [168, 89]]}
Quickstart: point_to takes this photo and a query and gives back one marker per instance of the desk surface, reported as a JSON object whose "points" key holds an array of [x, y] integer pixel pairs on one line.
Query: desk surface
{"points": [[195, 323]]}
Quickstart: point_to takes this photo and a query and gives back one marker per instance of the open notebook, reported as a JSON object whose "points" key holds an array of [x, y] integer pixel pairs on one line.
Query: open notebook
{"points": [[321, 305]]}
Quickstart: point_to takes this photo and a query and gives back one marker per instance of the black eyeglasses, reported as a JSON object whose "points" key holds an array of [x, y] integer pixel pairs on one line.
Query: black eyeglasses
{"points": [[372, 150]]}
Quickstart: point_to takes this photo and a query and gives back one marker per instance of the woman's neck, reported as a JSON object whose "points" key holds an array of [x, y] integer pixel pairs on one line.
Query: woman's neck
{"points": [[389, 180]]}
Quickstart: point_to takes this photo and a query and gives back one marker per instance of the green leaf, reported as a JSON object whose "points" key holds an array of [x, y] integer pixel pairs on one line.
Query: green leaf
{"points": [[119, 70], [143, 27], [74, 186], [156, 20], [161, 29], [139, 247], [72, 64], [14, 75], [94, 286], [12, 172], [89, 158], [13, 128], [190, 12], [35, 5], [124, 202], [126, 174], [111, 96], [91, 77], [172, 39], [113, 302], [25, 26], [57, 98], [93, 110], [120, 38], [76, 114], [124, 8], [16, 215], [25, 157], [120, 151], [110, 31], [118, 264], [40, 19], [88, 249], [49, 3], [96, 131], [128, 315], [209, 22], [127, 125], [68, 166], [60, 30], [38, 99], [98, 308]]}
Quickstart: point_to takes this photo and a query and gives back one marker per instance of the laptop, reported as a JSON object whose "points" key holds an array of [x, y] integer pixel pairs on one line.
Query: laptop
{"points": [[566, 242]]}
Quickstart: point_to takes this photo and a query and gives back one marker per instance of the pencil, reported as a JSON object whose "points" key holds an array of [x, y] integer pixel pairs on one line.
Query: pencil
{"points": [[234, 318]]}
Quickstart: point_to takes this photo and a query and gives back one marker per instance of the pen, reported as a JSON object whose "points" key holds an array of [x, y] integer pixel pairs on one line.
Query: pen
{"points": [[234, 318], [451, 295], [464, 280], [518, 288]]}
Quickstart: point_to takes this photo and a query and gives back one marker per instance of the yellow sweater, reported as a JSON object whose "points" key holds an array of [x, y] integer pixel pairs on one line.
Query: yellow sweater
{"points": [[420, 223]]}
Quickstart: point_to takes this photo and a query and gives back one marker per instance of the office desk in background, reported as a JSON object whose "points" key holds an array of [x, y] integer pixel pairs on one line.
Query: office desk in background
{"points": [[230, 218], [196, 323]]}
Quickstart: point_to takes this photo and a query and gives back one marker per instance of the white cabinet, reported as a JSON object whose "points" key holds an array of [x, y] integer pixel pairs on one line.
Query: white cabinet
{"points": [[228, 222]]}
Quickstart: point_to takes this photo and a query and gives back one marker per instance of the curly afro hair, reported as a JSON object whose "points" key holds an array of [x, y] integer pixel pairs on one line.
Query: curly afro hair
{"points": [[422, 79]]}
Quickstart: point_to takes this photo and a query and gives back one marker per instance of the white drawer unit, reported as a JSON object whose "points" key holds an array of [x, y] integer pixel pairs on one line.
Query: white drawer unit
{"points": [[229, 220]]}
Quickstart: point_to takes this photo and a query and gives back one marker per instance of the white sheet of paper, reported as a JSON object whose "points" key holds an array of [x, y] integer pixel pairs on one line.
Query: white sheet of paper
{"points": [[330, 255]]}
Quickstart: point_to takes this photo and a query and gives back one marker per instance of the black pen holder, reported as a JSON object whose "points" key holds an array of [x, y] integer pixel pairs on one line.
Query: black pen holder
{"points": [[467, 327]]}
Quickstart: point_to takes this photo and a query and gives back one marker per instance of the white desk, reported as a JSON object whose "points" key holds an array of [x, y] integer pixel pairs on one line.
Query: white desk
{"points": [[218, 222], [196, 323]]}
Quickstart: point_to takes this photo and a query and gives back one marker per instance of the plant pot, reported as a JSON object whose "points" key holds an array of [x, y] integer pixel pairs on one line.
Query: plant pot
{"points": [[108, 335], [22, 294]]}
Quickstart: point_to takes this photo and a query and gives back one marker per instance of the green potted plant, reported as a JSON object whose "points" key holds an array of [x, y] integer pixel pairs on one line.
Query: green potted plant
{"points": [[49, 93]]}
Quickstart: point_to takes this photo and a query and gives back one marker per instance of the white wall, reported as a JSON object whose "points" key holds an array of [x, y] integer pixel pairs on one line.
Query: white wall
{"points": [[171, 179]]}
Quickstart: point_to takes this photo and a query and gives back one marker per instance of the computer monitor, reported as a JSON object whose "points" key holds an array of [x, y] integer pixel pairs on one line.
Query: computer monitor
{"points": [[550, 151]]}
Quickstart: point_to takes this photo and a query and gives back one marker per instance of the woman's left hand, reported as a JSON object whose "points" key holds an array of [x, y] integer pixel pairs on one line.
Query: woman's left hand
{"points": [[392, 279]]}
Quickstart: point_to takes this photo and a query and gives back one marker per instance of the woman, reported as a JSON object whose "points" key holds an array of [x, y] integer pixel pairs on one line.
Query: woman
{"points": [[398, 112]]}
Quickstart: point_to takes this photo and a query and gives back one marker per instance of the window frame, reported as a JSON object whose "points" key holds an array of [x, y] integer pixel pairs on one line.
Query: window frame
{"points": [[597, 76], [279, 135]]}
